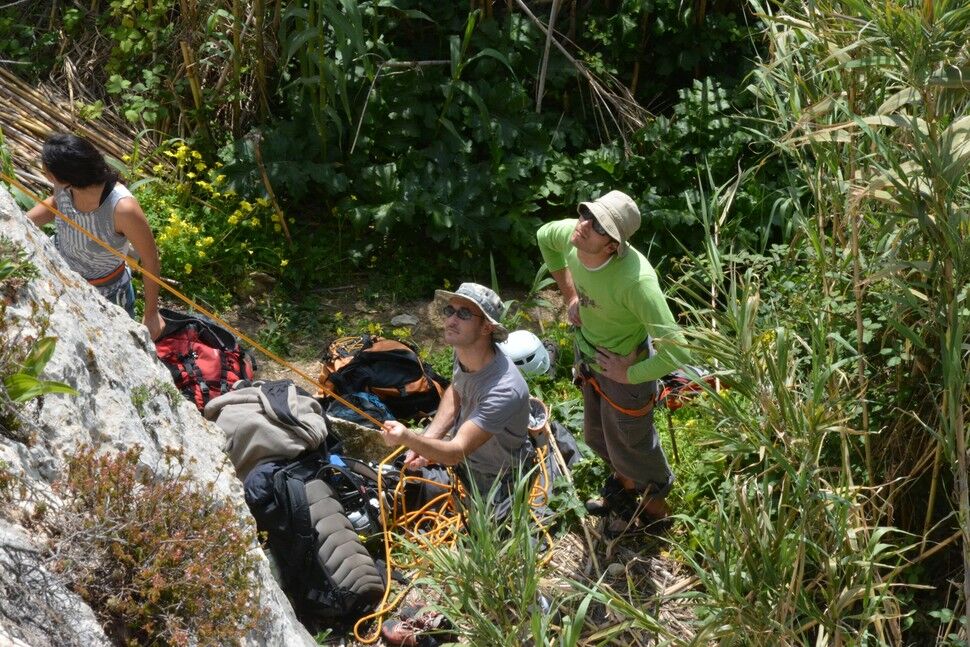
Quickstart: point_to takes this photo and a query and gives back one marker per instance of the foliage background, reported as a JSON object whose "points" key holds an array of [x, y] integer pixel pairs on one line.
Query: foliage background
{"points": [[803, 170]]}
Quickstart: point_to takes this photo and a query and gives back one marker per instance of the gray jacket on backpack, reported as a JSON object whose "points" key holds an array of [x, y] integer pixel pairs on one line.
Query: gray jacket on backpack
{"points": [[269, 421]]}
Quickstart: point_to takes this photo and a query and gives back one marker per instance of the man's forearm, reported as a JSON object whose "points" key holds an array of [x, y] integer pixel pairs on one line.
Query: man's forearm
{"points": [[436, 450], [566, 286]]}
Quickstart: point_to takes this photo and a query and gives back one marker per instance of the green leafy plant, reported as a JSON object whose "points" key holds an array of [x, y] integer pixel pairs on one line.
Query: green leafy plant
{"points": [[497, 598], [142, 394], [211, 237], [25, 384]]}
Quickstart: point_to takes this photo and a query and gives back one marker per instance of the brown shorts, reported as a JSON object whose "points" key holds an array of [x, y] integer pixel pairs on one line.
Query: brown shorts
{"points": [[630, 445]]}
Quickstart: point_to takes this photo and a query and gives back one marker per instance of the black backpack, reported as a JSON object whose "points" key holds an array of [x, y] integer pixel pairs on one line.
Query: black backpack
{"points": [[326, 570], [390, 369]]}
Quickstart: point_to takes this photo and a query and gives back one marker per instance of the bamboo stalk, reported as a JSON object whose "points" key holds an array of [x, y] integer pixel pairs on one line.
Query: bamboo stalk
{"points": [[954, 392], [269, 189], [545, 55], [641, 47], [259, 11], [194, 85], [236, 105]]}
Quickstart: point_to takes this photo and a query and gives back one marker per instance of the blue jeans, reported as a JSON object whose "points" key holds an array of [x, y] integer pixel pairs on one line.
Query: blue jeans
{"points": [[121, 293]]}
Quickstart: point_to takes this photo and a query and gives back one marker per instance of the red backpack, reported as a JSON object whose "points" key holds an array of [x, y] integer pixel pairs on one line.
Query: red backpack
{"points": [[205, 360]]}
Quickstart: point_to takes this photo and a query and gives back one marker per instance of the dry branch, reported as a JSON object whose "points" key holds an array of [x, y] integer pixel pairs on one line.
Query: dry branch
{"points": [[29, 114]]}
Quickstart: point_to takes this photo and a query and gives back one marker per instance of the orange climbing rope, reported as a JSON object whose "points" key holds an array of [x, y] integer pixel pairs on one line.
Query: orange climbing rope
{"points": [[189, 302], [433, 524]]}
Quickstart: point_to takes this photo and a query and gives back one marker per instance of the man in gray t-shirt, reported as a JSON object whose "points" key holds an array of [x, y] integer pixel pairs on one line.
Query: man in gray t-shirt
{"points": [[484, 414]]}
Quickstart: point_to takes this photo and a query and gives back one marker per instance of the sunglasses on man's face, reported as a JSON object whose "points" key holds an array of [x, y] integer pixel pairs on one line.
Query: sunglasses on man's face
{"points": [[463, 313], [585, 215]]}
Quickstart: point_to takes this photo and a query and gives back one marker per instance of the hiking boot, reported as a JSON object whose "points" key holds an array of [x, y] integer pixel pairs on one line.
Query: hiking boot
{"points": [[613, 498], [414, 632], [399, 632]]}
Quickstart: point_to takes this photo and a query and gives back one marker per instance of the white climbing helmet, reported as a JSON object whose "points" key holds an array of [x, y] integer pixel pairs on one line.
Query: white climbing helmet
{"points": [[527, 352]]}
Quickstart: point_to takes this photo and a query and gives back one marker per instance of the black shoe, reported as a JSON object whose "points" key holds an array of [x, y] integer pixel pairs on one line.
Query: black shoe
{"points": [[613, 498]]}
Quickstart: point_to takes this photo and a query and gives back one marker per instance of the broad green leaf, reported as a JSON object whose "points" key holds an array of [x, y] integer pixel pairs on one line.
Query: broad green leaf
{"points": [[39, 355], [898, 100], [297, 40], [22, 387], [493, 53]]}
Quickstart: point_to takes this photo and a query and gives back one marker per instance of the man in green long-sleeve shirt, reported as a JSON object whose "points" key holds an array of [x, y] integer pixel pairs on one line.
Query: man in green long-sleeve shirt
{"points": [[613, 296]]}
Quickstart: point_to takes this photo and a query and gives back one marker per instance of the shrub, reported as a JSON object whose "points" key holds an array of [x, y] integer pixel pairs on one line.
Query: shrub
{"points": [[161, 561], [210, 237]]}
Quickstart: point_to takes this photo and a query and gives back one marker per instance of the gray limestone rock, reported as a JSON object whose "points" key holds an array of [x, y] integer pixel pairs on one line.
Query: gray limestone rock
{"points": [[404, 320], [125, 398]]}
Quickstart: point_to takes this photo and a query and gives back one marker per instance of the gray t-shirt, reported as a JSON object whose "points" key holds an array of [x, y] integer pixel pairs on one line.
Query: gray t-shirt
{"points": [[496, 398]]}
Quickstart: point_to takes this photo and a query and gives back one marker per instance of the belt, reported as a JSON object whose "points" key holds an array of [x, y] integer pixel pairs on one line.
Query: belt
{"points": [[586, 375], [582, 373], [110, 277]]}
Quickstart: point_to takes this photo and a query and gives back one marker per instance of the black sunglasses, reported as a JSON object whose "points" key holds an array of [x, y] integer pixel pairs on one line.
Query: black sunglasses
{"points": [[584, 214], [463, 313]]}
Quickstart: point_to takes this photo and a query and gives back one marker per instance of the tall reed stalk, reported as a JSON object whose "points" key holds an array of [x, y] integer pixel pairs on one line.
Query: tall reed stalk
{"points": [[868, 105]]}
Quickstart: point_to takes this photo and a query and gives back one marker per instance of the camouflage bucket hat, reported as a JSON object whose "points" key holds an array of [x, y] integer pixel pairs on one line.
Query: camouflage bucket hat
{"points": [[487, 301]]}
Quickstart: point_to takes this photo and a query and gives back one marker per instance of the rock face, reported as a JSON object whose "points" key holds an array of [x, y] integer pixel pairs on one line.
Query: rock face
{"points": [[124, 398]]}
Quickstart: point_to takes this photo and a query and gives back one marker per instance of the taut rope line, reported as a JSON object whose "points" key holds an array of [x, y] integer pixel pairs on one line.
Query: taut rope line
{"points": [[189, 302]]}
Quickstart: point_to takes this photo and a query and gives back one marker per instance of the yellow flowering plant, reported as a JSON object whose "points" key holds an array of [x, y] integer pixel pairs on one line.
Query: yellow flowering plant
{"points": [[211, 238]]}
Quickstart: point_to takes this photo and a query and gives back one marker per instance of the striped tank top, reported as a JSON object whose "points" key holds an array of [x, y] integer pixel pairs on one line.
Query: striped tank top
{"points": [[84, 256]]}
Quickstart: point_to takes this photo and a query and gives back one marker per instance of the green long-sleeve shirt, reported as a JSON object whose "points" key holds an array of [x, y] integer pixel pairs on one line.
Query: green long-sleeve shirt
{"points": [[620, 304]]}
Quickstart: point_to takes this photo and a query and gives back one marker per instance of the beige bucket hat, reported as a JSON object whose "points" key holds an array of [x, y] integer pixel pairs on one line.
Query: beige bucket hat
{"points": [[619, 216]]}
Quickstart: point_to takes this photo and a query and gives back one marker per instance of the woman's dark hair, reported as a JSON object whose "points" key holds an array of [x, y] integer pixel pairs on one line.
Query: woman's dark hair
{"points": [[75, 161]]}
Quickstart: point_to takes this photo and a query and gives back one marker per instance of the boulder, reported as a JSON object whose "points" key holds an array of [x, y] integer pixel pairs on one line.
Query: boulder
{"points": [[125, 397]]}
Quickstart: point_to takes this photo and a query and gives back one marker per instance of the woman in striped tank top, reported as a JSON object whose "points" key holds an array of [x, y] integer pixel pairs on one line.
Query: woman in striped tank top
{"points": [[87, 190]]}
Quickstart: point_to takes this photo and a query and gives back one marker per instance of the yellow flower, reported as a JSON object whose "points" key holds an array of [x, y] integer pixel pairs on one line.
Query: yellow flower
{"points": [[188, 268], [201, 253], [263, 202], [233, 219], [284, 263], [196, 155], [208, 240], [190, 175], [200, 166], [158, 168], [277, 228]]}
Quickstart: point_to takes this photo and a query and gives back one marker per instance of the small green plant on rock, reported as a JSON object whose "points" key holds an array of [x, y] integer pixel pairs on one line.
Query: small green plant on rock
{"points": [[162, 561]]}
